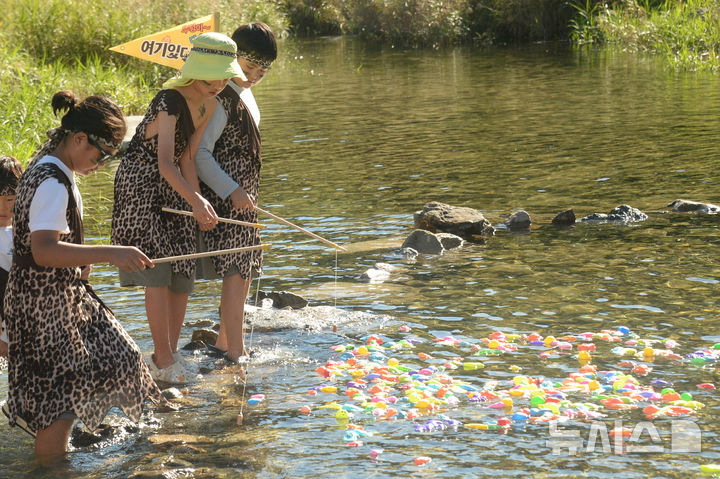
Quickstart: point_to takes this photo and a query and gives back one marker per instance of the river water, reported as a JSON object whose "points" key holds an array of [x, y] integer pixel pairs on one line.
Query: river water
{"points": [[357, 138]]}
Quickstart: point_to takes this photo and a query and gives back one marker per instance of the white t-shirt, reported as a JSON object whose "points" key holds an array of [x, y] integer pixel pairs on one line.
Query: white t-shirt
{"points": [[5, 261], [48, 206], [249, 99], [6, 246]]}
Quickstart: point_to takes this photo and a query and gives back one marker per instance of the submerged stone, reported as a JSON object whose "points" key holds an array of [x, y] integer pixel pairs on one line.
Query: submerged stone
{"points": [[685, 206], [283, 299], [619, 214], [378, 274], [520, 220], [409, 253], [194, 346], [172, 393], [424, 242], [565, 218]]}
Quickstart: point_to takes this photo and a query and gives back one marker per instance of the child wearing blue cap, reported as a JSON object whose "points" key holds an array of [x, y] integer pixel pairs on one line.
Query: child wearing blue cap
{"points": [[157, 171]]}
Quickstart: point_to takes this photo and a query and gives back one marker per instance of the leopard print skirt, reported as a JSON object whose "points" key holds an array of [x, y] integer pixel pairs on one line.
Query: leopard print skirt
{"points": [[237, 151]]}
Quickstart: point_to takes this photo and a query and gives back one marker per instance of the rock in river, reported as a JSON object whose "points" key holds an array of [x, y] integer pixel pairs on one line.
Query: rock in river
{"points": [[461, 221], [686, 205], [424, 242], [619, 214]]}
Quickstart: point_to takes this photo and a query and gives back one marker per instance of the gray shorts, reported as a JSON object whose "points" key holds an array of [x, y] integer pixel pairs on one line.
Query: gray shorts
{"points": [[204, 267], [159, 276]]}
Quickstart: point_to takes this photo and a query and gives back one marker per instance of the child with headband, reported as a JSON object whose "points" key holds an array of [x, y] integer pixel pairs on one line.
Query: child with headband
{"points": [[229, 162], [68, 356]]}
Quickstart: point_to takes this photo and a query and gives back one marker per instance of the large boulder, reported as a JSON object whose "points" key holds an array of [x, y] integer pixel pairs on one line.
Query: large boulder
{"points": [[686, 206], [458, 220], [619, 214]]}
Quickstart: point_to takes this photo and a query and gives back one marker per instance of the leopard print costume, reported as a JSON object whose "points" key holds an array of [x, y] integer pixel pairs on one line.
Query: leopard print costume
{"points": [[237, 151], [141, 192], [68, 353]]}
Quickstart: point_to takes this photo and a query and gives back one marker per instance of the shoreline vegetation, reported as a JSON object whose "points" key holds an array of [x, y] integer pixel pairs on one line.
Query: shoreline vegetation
{"points": [[51, 45]]}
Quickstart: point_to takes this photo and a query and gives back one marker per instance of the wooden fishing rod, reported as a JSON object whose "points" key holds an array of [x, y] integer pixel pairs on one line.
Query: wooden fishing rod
{"points": [[309, 233], [208, 254], [222, 220]]}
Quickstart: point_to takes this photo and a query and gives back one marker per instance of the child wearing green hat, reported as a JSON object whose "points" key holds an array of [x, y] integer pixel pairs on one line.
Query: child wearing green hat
{"points": [[229, 161], [158, 171]]}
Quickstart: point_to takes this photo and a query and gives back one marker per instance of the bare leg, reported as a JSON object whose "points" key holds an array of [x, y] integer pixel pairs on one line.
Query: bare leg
{"points": [[157, 307], [53, 440], [178, 306], [221, 341], [232, 313]]}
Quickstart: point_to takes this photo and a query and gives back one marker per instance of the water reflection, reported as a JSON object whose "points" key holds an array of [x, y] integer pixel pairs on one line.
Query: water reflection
{"points": [[356, 139]]}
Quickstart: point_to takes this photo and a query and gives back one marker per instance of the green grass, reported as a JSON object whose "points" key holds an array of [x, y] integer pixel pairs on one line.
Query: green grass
{"points": [[687, 33], [29, 84], [54, 29], [52, 45]]}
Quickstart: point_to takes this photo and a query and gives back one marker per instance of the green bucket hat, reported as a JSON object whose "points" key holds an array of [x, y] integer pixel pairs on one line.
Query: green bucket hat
{"points": [[212, 57]]}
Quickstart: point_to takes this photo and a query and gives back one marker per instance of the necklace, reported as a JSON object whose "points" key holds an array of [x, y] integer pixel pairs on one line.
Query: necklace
{"points": [[202, 110]]}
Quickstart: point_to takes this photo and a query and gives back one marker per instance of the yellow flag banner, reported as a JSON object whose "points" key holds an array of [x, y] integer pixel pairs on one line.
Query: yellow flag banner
{"points": [[169, 47]]}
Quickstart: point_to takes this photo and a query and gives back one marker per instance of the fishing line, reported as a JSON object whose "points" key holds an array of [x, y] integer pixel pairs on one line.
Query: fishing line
{"points": [[245, 371], [336, 275]]}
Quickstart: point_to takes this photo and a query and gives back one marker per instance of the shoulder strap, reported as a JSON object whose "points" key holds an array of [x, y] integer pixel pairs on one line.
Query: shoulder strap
{"points": [[76, 223], [177, 105], [75, 218], [231, 99]]}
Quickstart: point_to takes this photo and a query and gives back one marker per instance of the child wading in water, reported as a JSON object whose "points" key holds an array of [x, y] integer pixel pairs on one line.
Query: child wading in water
{"points": [[229, 164], [149, 179], [68, 355], [10, 172]]}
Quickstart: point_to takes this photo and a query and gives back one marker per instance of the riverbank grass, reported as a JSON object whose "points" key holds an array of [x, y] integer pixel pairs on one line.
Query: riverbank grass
{"points": [[29, 84], [687, 33], [52, 45]]}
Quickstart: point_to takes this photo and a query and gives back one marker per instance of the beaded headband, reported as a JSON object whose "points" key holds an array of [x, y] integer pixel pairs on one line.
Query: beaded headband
{"points": [[9, 190], [266, 64], [104, 142], [213, 51], [98, 139]]}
